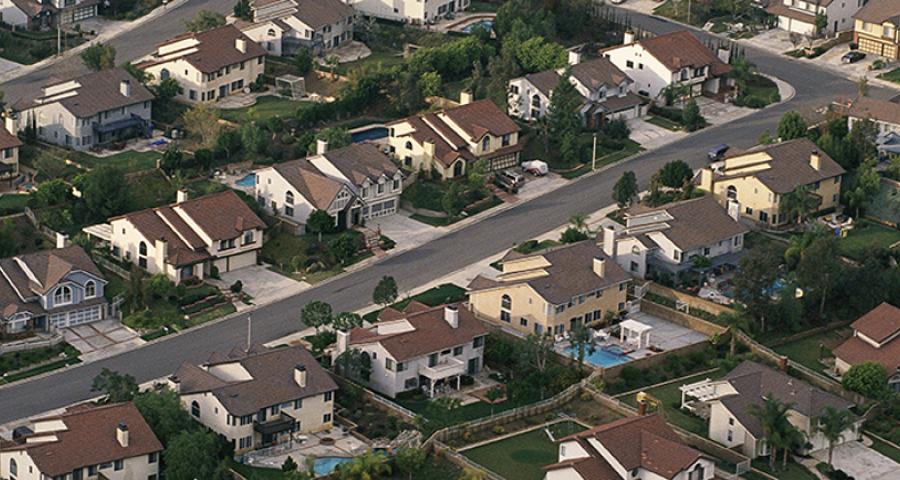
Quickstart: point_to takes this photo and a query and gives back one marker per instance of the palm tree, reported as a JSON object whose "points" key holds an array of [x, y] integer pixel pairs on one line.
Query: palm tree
{"points": [[772, 414], [792, 439], [799, 203], [578, 221], [832, 425]]}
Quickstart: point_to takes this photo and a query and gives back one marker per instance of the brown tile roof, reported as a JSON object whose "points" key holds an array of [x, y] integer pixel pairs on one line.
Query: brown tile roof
{"points": [[681, 49], [90, 439], [222, 216], [480, 118], [98, 92], [361, 161], [790, 166], [51, 266], [880, 324], [695, 223], [431, 333], [8, 140], [319, 13], [544, 81], [617, 104], [880, 11], [151, 225], [874, 109], [856, 350], [444, 152], [593, 467], [272, 382], [215, 50], [317, 188], [598, 72]]}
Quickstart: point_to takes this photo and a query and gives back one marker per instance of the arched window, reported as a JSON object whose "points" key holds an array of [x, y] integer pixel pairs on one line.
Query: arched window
{"points": [[63, 295], [731, 192], [142, 249], [13, 468], [506, 302], [486, 143], [697, 474], [289, 198], [90, 289], [164, 74], [195, 409], [271, 32], [409, 145], [536, 101]]}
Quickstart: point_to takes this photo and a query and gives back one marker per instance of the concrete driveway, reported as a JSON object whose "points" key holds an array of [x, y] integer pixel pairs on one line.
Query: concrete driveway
{"points": [[407, 232], [264, 285], [101, 339], [774, 40], [652, 136], [860, 461], [717, 113]]}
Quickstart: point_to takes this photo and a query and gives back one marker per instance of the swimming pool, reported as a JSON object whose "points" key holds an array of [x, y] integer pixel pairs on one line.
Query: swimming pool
{"points": [[326, 465], [248, 181], [486, 24], [372, 133], [602, 356]]}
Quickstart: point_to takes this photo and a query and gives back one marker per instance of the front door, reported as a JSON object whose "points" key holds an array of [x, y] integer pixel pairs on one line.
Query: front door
{"points": [[223, 91], [473, 367], [355, 216], [457, 169]]}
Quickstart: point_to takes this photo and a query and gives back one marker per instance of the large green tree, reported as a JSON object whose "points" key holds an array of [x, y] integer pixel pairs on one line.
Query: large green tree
{"points": [[799, 203], [868, 378], [866, 184], [99, 56], [385, 292], [316, 314], [753, 287], [819, 270], [562, 118], [105, 192], [791, 126], [625, 190], [115, 386], [674, 174], [163, 412], [203, 21], [773, 416], [193, 455], [832, 425]]}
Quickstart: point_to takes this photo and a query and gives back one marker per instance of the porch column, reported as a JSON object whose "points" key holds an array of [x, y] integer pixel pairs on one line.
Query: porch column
{"points": [[458, 377], [432, 388]]}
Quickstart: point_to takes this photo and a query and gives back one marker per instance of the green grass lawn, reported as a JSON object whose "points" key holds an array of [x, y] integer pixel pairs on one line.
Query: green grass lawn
{"points": [[760, 88], [664, 123], [64, 353], [670, 396], [886, 450], [32, 47], [12, 203], [891, 76], [794, 470], [522, 456], [477, 6], [631, 148], [385, 56], [257, 473], [151, 190], [866, 235], [807, 351], [265, 107], [439, 295], [218, 312], [128, 161]]}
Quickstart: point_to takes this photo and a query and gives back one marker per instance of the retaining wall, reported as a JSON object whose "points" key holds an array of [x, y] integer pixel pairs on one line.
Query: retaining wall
{"points": [[691, 300], [681, 318]]}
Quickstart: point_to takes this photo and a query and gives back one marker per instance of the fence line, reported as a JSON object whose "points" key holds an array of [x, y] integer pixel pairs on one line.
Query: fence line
{"points": [[461, 460], [31, 344]]}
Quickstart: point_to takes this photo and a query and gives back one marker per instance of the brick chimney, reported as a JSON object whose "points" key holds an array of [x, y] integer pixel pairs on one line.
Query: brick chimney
{"points": [[122, 434]]}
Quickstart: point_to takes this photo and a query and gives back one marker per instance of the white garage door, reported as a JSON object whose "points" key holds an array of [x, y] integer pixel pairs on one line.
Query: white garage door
{"points": [[241, 261], [77, 317]]}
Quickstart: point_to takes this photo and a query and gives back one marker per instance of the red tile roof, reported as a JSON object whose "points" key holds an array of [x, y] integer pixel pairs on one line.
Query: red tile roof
{"points": [[880, 324], [681, 49], [215, 50], [8, 140]]}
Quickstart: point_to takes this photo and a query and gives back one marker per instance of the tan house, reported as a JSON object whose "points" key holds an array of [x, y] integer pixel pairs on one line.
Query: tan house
{"points": [[447, 141], [208, 65], [876, 338], [758, 178], [875, 28], [552, 290], [259, 397], [111, 442], [883, 113], [9, 155]]}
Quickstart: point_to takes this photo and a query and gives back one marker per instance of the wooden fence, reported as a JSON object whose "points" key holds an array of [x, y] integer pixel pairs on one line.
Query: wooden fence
{"points": [[691, 300]]}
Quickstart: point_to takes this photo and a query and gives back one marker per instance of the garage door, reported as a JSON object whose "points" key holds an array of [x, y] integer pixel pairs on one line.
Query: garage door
{"points": [[78, 317], [241, 261]]}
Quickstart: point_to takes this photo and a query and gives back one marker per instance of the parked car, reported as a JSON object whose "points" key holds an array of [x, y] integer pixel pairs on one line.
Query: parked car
{"points": [[717, 152], [535, 167], [853, 56], [509, 180]]}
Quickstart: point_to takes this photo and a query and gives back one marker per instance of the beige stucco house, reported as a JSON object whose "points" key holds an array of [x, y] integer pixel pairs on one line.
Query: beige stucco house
{"points": [[876, 338], [9, 155], [758, 178], [258, 397], [208, 65], [113, 442], [875, 28], [552, 290]]}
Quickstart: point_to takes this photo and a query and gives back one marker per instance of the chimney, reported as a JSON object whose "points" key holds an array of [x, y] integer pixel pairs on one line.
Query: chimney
{"points": [[451, 315], [815, 160], [574, 57], [300, 375], [122, 434], [609, 241], [428, 146], [125, 88], [465, 97], [181, 196], [321, 146], [342, 343], [628, 37], [62, 240], [600, 267], [162, 252], [724, 54], [241, 45], [734, 210]]}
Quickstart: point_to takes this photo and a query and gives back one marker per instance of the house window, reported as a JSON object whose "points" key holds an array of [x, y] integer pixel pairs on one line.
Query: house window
{"points": [[395, 185], [731, 421], [486, 143], [248, 238], [289, 211], [326, 418], [380, 188], [90, 289], [389, 364], [152, 458], [731, 192], [514, 89], [523, 322], [504, 315], [457, 351], [536, 102], [478, 342], [118, 465], [401, 366], [432, 359], [226, 244], [506, 302], [408, 145], [13, 468], [195, 409], [142, 249], [289, 198], [698, 473], [275, 410], [62, 296], [505, 140]]}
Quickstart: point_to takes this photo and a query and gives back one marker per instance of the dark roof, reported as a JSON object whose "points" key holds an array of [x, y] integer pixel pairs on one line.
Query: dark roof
{"points": [[790, 167], [96, 92], [215, 49], [694, 223], [874, 109], [272, 382], [570, 273], [51, 266], [222, 216], [430, 332], [880, 324], [880, 11], [90, 439], [544, 81], [856, 350], [598, 72], [8, 140], [776, 7], [318, 13], [361, 161], [33, 8], [682, 49], [315, 187], [754, 381], [480, 118]]}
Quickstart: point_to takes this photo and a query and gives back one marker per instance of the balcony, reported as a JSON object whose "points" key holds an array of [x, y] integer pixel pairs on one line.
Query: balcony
{"points": [[444, 369]]}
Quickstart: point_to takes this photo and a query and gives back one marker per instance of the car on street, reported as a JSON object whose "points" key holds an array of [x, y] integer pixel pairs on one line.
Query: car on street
{"points": [[853, 56], [716, 153]]}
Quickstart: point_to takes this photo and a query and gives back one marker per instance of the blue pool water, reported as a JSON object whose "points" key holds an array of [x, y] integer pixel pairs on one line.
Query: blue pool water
{"points": [[602, 357], [248, 181], [325, 465], [373, 133], [486, 24]]}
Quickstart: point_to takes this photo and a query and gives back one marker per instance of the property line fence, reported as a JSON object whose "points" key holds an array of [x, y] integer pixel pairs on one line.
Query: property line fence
{"points": [[460, 460], [31, 344]]}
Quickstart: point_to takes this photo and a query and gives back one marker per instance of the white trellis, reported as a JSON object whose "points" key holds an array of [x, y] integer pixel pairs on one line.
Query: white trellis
{"points": [[291, 86]]}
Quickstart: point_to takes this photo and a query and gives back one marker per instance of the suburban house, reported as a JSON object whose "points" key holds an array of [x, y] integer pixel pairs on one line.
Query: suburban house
{"points": [[38, 14], [876, 338], [9, 155], [409, 11], [606, 90], [633, 447], [87, 111], [883, 113], [258, 397], [49, 290], [422, 347], [284, 26], [799, 16], [678, 58], [552, 290], [758, 178], [207, 65], [447, 141], [112, 442], [875, 28], [729, 404], [353, 184], [667, 238], [189, 239]]}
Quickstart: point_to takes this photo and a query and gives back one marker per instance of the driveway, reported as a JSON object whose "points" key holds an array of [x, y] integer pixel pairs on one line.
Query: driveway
{"points": [[717, 113], [860, 461], [407, 232], [652, 136], [774, 40], [264, 285], [101, 339]]}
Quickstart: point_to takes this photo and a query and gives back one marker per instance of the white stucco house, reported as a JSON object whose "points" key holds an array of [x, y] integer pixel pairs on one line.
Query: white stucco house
{"points": [[38, 14], [410, 11], [87, 111], [799, 16], [677, 58], [284, 26], [258, 397], [9, 155], [876, 338], [419, 348]]}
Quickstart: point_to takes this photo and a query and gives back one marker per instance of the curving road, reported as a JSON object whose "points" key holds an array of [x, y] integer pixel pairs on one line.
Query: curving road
{"points": [[815, 87]]}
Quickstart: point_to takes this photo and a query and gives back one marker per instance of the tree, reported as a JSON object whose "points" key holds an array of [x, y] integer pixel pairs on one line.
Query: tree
{"points": [[385, 292], [334, 137], [832, 425], [368, 466], [192, 455], [430, 84], [51, 193], [99, 57], [562, 116], [759, 271], [453, 201], [303, 61], [332, 62], [821, 23], [866, 185], [691, 117], [167, 89], [115, 386], [316, 314], [355, 364], [791, 126], [163, 412], [799, 203], [140, 75], [105, 192], [346, 321], [862, 86], [253, 138], [289, 465], [578, 221], [172, 160], [675, 173], [572, 235], [625, 189], [868, 378], [537, 353], [773, 416], [819, 270], [411, 461], [344, 248], [203, 120], [319, 222], [582, 340], [243, 11], [477, 175], [203, 21]]}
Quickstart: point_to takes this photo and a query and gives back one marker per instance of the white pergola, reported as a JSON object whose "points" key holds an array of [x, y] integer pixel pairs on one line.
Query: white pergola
{"points": [[291, 84], [633, 332]]}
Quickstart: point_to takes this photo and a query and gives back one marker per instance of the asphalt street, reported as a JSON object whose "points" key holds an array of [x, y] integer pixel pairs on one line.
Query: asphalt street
{"points": [[815, 87]]}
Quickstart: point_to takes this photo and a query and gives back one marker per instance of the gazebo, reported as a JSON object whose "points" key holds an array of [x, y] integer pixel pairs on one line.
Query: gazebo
{"points": [[291, 85], [635, 333]]}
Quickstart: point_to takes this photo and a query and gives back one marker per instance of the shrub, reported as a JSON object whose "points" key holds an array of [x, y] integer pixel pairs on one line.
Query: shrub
{"points": [[236, 287], [499, 430]]}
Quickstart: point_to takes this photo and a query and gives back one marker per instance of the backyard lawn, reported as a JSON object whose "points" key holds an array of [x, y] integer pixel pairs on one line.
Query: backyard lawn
{"points": [[150, 190], [12, 203], [866, 235], [523, 456], [808, 351], [265, 107], [128, 161], [670, 397]]}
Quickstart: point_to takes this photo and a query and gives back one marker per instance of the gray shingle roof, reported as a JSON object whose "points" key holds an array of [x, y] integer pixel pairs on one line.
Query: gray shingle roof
{"points": [[790, 166], [695, 223], [98, 92]]}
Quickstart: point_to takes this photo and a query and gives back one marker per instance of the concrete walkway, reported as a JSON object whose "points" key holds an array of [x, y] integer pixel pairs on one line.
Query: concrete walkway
{"points": [[860, 461], [101, 339]]}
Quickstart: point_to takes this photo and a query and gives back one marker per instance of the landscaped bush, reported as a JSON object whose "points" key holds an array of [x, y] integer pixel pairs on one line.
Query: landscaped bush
{"points": [[832, 473], [675, 366]]}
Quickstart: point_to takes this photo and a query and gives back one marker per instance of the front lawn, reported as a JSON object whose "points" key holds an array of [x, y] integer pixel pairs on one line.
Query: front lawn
{"points": [[664, 123], [265, 107], [32, 47], [886, 450], [523, 456], [794, 470], [758, 92], [12, 203], [182, 307], [891, 76], [439, 295], [808, 351], [670, 398], [865, 236], [630, 148], [304, 258], [18, 360]]}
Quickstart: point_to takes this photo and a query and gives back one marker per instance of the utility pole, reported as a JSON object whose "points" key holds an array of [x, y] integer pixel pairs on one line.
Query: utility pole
{"points": [[249, 330], [594, 155], [689, 12], [58, 37]]}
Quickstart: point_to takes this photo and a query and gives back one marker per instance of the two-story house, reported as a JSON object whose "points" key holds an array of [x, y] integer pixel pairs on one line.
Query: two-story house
{"points": [[447, 141], [799, 16], [353, 184], [207, 65], [876, 338], [284, 26], [551, 291], [419, 348], [606, 90], [188, 239], [49, 290], [883, 113], [409, 11], [9, 155], [730, 404], [88, 442], [875, 28], [626, 449], [87, 111], [668, 238], [677, 58], [758, 178], [41, 14], [258, 397]]}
